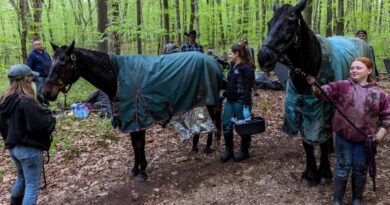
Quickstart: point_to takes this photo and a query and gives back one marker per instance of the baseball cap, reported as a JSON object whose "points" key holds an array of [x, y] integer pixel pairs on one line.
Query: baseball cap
{"points": [[19, 71]]}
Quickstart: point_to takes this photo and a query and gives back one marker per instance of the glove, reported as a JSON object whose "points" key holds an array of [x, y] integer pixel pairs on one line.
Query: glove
{"points": [[246, 113]]}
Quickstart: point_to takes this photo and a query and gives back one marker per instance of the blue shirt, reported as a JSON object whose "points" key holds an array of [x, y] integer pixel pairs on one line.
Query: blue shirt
{"points": [[187, 47], [39, 62]]}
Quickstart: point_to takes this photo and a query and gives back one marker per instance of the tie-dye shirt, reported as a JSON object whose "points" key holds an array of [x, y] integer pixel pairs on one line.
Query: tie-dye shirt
{"points": [[368, 107]]}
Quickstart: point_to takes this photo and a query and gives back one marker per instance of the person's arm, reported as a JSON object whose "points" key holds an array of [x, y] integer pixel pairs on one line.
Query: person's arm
{"points": [[30, 61], [384, 117], [331, 89], [3, 127], [248, 81], [37, 118]]}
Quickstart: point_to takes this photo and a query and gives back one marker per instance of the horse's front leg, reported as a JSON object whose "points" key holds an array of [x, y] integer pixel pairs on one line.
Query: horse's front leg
{"points": [[324, 170], [139, 139], [310, 176], [135, 169]]}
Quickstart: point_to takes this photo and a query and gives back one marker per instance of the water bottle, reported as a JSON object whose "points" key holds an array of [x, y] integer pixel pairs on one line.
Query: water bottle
{"points": [[246, 113]]}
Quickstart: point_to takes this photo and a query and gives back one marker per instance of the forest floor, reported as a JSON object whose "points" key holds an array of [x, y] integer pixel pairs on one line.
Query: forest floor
{"points": [[90, 164]]}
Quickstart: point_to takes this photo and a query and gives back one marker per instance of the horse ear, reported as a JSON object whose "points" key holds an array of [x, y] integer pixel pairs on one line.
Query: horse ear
{"points": [[70, 48], [276, 6], [54, 46], [300, 6]]}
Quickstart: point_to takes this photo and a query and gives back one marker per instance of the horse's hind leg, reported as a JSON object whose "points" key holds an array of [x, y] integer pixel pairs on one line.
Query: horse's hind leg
{"points": [[310, 176], [324, 170], [139, 138], [135, 169]]}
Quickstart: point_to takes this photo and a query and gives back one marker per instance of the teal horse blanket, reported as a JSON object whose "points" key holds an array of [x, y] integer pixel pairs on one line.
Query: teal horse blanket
{"points": [[308, 115], [152, 89]]}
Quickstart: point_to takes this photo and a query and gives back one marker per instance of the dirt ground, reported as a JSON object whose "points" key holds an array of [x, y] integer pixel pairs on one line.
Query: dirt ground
{"points": [[99, 174]]}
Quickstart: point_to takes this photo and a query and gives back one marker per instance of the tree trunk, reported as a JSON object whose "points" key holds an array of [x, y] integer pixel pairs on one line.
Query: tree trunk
{"points": [[178, 28], [192, 17], [263, 20], [319, 14], [139, 25], [307, 13], [340, 18], [329, 18], [196, 20], [116, 42], [48, 5], [166, 21], [102, 10], [245, 21], [380, 17], [23, 9], [257, 6], [221, 29], [64, 16], [36, 27], [185, 17]]}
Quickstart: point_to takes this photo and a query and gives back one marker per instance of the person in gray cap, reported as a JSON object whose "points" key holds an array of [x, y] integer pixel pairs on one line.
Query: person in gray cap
{"points": [[25, 127]]}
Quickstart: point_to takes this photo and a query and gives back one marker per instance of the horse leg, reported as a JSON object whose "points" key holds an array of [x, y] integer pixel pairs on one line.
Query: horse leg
{"points": [[310, 176], [195, 141], [139, 138], [135, 169], [324, 171], [215, 114]]}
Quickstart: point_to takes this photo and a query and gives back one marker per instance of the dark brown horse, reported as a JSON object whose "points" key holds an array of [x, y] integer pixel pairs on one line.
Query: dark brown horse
{"points": [[291, 42], [70, 63]]}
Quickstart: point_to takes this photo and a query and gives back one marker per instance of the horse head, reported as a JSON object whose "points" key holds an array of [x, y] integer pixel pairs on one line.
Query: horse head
{"points": [[63, 71], [283, 31]]}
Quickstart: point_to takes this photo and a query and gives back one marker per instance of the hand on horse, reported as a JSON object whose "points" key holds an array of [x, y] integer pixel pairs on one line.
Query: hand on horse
{"points": [[311, 79], [379, 135]]}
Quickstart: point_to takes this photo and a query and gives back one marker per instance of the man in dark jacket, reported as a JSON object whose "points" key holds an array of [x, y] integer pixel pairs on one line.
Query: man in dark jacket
{"points": [[39, 61], [362, 34]]}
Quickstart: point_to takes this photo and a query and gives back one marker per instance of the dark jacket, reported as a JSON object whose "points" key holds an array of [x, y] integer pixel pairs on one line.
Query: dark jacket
{"points": [[240, 82], [24, 122], [39, 62]]}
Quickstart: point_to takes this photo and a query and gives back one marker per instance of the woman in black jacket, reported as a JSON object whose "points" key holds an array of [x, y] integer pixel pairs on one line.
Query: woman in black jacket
{"points": [[26, 128], [239, 87]]}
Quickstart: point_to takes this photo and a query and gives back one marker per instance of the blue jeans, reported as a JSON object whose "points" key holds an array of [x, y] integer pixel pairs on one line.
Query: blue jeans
{"points": [[28, 162], [231, 109], [350, 155]]}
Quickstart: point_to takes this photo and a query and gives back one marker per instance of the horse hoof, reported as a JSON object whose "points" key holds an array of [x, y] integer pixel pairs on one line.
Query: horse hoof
{"points": [[141, 178], [309, 183], [325, 181], [134, 172], [208, 150], [194, 150]]}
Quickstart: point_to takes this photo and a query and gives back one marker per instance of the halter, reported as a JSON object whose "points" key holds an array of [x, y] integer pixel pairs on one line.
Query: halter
{"points": [[282, 57], [66, 87]]}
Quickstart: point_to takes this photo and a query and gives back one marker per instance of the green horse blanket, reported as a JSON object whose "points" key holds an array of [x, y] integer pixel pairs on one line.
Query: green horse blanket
{"points": [[152, 89], [305, 113]]}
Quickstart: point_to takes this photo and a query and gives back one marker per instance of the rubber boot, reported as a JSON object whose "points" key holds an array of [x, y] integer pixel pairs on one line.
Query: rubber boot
{"points": [[16, 200], [357, 189], [339, 187], [244, 149], [228, 153]]}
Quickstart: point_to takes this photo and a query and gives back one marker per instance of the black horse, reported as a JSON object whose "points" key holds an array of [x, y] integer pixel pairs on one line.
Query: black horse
{"points": [[290, 41], [70, 63]]}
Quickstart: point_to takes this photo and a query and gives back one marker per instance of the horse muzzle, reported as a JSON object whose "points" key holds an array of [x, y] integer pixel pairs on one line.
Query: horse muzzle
{"points": [[267, 59], [50, 92]]}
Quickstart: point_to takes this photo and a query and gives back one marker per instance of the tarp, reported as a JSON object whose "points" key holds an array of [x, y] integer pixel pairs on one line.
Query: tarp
{"points": [[263, 82], [152, 89], [309, 115]]}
